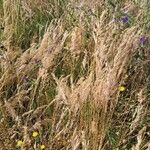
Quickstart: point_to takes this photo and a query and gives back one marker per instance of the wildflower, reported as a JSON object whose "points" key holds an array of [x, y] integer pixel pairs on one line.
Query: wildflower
{"points": [[42, 147], [19, 143], [125, 19], [142, 40], [122, 88], [35, 134]]}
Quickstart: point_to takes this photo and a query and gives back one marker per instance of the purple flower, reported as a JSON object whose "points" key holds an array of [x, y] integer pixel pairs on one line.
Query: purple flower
{"points": [[125, 19], [142, 40]]}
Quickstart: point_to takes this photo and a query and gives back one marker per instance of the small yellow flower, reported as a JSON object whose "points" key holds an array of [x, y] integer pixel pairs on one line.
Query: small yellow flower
{"points": [[35, 134], [19, 143], [122, 88], [42, 146]]}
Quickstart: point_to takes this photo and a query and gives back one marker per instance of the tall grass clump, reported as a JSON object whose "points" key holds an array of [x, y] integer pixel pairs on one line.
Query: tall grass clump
{"points": [[74, 75]]}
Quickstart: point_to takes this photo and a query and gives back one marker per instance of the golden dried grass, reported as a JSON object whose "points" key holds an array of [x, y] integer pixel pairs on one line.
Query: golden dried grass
{"points": [[74, 101]]}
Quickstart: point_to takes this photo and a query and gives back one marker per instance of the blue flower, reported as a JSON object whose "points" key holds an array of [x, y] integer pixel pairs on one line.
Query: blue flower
{"points": [[125, 19], [142, 40]]}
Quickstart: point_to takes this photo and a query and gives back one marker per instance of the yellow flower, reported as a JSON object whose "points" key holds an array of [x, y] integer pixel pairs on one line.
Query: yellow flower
{"points": [[42, 146], [35, 134], [19, 143], [122, 88]]}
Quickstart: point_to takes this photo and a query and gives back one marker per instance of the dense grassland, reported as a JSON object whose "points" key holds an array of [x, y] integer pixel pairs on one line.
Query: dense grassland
{"points": [[75, 74]]}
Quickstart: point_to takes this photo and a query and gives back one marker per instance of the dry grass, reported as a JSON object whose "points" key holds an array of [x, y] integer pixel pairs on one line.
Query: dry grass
{"points": [[61, 66]]}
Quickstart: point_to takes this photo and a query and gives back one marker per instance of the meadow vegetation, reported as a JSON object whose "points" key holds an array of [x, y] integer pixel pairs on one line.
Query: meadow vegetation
{"points": [[74, 75]]}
